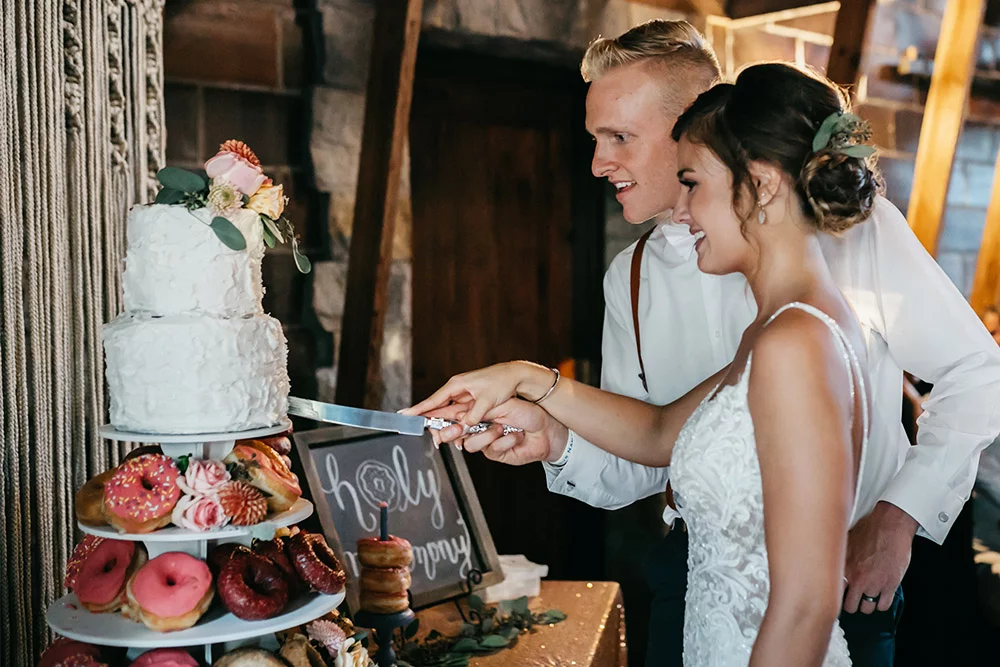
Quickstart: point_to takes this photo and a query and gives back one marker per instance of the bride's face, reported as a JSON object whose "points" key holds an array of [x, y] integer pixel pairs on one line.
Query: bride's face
{"points": [[706, 206]]}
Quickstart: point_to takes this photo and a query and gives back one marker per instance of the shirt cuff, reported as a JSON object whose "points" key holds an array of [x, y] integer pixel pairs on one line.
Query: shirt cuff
{"points": [[909, 492]]}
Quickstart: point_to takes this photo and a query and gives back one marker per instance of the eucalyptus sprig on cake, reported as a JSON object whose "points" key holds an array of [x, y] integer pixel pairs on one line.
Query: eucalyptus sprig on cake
{"points": [[234, 181]]}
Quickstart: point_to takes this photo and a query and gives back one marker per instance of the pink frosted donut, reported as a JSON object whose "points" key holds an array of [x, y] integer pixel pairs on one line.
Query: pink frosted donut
{"points": [[64, 649], [81, 552], [165, 657], [171, 591], [100, 582], [141, 494]]}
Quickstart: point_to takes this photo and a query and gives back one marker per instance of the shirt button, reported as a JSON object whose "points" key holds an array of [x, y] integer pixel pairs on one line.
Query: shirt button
{"points": [[943, 517], [570, 485], [718, 334]]}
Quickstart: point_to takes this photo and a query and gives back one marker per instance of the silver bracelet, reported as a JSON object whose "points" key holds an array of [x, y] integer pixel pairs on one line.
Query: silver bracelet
{"points": [[551, 389], [562, 460]]}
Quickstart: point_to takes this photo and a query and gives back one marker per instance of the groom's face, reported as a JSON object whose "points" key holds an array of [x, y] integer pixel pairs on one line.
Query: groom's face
{"points": [[627, 116]]}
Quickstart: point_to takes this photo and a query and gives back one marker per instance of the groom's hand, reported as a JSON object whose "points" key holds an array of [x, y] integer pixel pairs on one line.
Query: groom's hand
{"points": [[878, 553]]}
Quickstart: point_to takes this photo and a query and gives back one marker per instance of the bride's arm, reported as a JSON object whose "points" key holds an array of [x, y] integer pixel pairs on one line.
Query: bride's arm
{"points": [[623, 426], [799, 398]]}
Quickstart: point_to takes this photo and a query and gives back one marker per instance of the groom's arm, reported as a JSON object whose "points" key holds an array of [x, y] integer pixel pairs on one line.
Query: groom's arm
{"points": [[933, 333], [589, 473]]}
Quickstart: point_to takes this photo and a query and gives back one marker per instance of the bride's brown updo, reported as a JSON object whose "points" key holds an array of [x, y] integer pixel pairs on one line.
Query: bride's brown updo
{"points": [[771, 114]]}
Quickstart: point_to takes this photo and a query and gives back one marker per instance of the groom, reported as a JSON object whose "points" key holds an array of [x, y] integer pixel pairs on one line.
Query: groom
{"points": [[690, 325]]}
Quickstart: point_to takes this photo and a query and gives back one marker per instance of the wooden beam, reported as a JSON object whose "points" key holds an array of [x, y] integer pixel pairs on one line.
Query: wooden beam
{"points": [[703, 7], [850, 33], [944, 115], [986, 283], [387, 113]]}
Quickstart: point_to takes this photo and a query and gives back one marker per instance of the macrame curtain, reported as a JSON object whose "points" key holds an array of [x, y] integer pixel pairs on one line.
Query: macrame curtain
{"points": [[82, 107]]}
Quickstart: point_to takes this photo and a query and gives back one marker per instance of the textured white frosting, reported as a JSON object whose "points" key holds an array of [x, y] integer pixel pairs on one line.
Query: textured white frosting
{"points": [[195, 373], [176, 264]]}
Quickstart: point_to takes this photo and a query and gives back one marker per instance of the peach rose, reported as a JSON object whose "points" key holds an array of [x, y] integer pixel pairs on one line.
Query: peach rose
{"points": [[203, 478], [199, 513], [233, 167], [268, 200]]}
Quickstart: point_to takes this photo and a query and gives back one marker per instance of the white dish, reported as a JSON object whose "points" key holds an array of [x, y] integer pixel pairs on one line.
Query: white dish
{"points": [[109, 432], [66, 617], [301, 510]]}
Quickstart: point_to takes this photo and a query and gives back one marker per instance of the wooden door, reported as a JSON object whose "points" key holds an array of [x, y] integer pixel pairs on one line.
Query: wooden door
{"points": [[498, 178]]}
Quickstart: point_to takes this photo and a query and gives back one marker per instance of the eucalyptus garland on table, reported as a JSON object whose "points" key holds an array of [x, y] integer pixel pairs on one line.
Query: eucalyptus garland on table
{"points": [[492, 628], [233, 180]]}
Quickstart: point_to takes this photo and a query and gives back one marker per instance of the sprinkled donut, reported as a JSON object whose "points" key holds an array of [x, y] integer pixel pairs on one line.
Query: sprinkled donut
{"points": [[141, 494]]}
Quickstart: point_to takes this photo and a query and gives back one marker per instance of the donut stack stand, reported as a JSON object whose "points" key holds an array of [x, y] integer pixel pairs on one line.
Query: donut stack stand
{"points": [[217, 632]]}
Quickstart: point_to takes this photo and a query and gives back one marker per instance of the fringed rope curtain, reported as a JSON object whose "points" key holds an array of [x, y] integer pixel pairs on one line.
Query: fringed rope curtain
{"points": [[81, 103]]}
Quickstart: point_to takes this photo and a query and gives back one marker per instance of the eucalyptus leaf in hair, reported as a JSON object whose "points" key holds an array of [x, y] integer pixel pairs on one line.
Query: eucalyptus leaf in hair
{"points": [[825, 131]]}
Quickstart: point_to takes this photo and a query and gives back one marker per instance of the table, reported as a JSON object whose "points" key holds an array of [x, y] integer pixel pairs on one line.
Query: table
{"points": [[593, 634]]}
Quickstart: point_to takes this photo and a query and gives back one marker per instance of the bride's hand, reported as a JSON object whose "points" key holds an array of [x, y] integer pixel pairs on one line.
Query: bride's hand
{"points": [[487, 388]]}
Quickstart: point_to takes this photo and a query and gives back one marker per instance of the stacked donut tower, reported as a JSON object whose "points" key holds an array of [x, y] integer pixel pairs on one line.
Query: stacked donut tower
{"points": [[191, 542]]}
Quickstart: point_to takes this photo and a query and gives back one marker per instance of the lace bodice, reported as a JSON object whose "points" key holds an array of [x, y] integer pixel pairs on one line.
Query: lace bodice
{"points": [[716, 480]]}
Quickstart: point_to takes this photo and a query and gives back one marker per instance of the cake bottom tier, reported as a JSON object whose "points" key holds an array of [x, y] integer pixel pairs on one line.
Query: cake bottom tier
{"points": [[196, 373]]}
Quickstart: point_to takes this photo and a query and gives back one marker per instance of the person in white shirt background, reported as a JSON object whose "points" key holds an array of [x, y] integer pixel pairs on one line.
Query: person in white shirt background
{"points": [[912, 317]]}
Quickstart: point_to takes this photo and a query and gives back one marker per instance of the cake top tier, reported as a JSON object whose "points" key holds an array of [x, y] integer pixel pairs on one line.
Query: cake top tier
{"points": [[176, 264], [199, 247]]}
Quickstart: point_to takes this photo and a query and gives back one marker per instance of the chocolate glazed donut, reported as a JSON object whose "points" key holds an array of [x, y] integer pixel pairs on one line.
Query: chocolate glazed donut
{"points": [[252, 587], [316, 563], [276, 551]]}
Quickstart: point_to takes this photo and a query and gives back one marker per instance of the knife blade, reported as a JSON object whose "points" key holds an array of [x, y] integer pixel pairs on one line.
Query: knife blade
{"points": [[378, 420]]}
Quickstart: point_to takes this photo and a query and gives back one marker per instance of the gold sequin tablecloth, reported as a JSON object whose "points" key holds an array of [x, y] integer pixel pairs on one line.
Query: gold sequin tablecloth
{"points": [[593, 634]]}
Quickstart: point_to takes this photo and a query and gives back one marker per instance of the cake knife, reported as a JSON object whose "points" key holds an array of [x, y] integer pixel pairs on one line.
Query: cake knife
{"points": [[377, 420]]}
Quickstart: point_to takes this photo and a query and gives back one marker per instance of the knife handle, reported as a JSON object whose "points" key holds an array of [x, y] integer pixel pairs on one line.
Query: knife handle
{"points": [[437, 423]]}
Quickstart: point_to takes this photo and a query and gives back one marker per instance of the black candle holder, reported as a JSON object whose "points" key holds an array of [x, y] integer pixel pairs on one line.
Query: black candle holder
{"points": [[384, 627]]}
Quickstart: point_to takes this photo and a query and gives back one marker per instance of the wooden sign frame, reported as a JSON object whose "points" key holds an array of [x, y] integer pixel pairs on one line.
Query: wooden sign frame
{"points": [[465, 495]]}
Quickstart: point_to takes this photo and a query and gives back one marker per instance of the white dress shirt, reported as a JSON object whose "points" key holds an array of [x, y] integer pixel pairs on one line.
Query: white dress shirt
{"points": [[912, 318]]}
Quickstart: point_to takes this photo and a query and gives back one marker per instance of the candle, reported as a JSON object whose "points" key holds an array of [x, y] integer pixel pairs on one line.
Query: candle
{"points": [[383, 528]]}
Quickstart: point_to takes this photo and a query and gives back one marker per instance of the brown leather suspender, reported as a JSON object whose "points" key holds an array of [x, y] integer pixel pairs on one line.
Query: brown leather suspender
{"points": [[636, 266]]}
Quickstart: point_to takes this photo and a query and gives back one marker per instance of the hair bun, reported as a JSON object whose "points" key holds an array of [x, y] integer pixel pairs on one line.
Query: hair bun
{"points": [[840, 189]]}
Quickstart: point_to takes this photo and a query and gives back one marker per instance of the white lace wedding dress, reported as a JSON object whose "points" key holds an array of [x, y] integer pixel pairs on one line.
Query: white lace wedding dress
{"points": [[715, 476]]}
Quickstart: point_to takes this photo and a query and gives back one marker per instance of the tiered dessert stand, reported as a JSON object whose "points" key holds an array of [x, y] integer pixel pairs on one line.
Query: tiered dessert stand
{"points": [[218, 631]]}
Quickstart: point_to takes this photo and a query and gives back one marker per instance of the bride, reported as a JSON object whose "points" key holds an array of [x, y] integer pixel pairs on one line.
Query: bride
{"points": [[765, 455]]}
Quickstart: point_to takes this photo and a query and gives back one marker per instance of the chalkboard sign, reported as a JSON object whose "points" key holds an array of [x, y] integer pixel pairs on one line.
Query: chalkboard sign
{"points": [[431, 500]]}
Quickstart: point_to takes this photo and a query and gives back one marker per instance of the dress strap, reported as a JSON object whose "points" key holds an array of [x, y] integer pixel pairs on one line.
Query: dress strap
{"points": [[854, 370]]}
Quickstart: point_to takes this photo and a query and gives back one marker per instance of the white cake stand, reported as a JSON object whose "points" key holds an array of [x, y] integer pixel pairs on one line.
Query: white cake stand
{"points": [[199, 445], [218, 630]]}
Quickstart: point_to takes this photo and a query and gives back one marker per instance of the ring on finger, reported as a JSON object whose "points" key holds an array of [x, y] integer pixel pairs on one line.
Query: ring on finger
{"points": [[869, 598]]}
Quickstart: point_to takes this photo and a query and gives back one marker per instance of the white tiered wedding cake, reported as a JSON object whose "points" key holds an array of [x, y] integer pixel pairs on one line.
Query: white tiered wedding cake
{"points": [[194, 351]]}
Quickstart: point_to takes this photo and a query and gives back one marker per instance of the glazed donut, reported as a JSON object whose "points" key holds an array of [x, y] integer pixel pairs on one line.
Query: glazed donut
{"points": [[141, 494], [266, 471], [316, 563], [385, 579], [222, 553], [252, 587], [279, 443], [171, 592], [64, 649], [384, 603], [103, 573], [277, 551], [165, 657], [394, 552], [90, 500]]}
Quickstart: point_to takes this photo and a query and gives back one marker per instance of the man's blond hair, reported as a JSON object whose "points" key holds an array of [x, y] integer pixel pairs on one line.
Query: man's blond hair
{"points": [[674, 44]]}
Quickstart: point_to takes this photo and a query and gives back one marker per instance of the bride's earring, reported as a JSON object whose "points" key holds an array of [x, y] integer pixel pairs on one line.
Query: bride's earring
{"points": [[761, 215]]}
